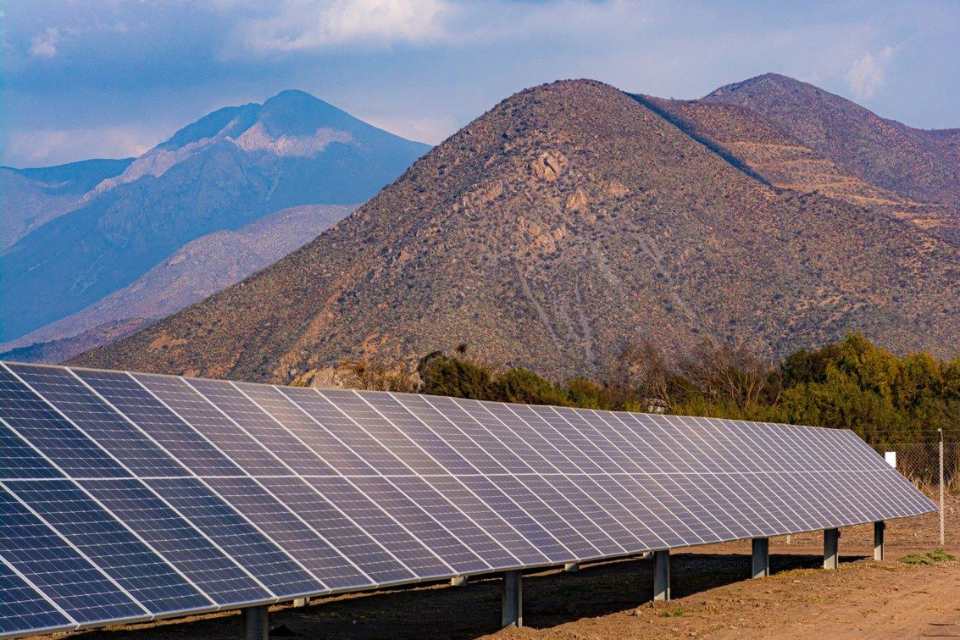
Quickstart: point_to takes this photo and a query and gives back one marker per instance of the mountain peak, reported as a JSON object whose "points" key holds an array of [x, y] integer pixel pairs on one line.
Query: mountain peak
{"points": [[293, 94], [916, 163], [765, 82], [296, 113]]}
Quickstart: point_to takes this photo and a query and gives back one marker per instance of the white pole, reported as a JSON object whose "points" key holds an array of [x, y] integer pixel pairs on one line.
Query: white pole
{"points": [[942, 537]]}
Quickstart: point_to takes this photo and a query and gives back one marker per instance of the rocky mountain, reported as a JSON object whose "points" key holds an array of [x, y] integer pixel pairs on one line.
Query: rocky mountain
{"points": [[920, 164], [31, 197], [777, 157], [228, 169], [198, 269], [564, 224]]}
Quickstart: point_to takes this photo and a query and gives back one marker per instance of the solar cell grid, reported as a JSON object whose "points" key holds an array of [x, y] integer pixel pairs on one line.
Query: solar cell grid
{"points": [[22, 608], [422, 434], [449, 427], [651, 528], [143, 574], [649, 490], [539, 508], [370, 562], [388, 423], [382, 527], [562, 436], [292, 409], [53, 565], [159, 423], [473, 535], [516, 426], [621, 519], [184, 546], [520, 519], [564, 504], [495, 525], [346, 433], [260, 425], [489, 433], [421, 525], [35, 421], [98, 421], [205, 418], [244, 542], [593, 507], [19, 460], [592, 442], [282, 525]]}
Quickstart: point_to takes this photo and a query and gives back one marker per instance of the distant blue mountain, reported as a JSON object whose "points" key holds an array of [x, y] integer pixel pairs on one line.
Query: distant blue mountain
{"points": [[229, 168], [75, 177], [30, 198]]}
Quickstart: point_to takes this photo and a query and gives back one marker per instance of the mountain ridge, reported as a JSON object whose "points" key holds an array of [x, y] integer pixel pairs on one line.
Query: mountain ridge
{"points": [[196, 270], [198, 181], [551, 232], [923, 164]]}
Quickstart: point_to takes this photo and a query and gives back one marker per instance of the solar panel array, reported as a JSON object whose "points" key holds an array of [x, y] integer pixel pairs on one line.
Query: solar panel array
{"points": [[128, 497]]}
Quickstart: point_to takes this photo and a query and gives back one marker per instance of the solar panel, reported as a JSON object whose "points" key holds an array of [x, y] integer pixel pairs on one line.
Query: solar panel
{"points": [[134, 496], [139, 570], [186, 548], [23, 609], [59, 570]]}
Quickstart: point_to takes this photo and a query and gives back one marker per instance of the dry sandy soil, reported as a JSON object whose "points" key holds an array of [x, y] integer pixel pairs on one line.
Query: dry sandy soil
{"points": [[712, 599]]}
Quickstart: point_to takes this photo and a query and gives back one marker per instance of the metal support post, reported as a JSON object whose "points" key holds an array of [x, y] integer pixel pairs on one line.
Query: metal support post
{"points": [[512, 609], [761, 558], [943, 539], [458, 581], [571, 567], [878, 529], [831, 548], [256, 623], [661, 575]]}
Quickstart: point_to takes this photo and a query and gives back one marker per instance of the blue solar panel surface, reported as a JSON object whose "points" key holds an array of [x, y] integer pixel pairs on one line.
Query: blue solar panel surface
{"points": [[126, 497]]}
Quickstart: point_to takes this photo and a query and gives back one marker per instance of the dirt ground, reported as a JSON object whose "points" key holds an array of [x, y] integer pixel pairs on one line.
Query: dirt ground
{"points": [[711, 599]]}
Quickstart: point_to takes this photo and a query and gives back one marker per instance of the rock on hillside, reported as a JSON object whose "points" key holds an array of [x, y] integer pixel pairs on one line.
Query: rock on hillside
{"points": [[552, 231]]}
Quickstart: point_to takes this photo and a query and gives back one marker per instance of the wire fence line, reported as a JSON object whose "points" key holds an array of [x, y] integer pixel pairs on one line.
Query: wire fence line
{"points": [[920, 462]]}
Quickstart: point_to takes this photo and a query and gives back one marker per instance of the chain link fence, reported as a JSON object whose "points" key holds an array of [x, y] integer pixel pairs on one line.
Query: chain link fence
{"points": [[920, 461]]}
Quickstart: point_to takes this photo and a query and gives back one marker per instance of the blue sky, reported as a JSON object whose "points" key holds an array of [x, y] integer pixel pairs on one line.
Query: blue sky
{"points": [[109, 78]]}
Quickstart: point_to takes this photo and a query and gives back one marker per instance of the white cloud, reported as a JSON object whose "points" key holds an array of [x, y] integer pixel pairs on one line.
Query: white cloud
{"points": [[42, 147], [869, 72], [44, 44], [300, 25]]}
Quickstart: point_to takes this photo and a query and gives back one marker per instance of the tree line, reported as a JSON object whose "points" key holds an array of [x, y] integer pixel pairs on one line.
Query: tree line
{"points": [[852, 383]]}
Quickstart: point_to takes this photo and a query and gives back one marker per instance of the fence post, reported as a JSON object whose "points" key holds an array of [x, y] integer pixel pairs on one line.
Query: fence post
{"points": [[942, 515]]}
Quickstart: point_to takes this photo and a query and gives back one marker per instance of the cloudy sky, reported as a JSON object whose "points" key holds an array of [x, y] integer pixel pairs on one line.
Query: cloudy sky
{"points": [[111, 78]]}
